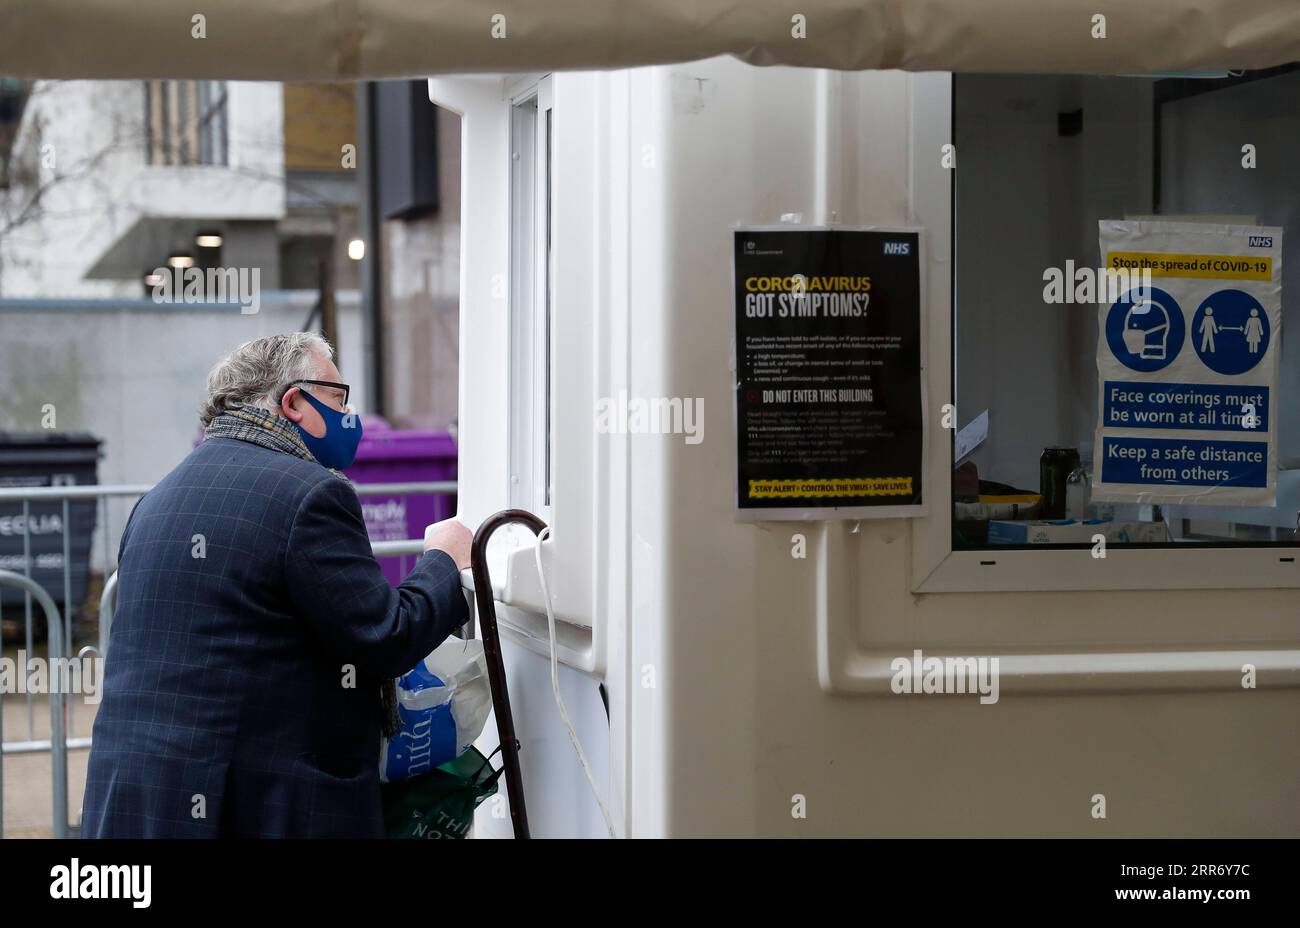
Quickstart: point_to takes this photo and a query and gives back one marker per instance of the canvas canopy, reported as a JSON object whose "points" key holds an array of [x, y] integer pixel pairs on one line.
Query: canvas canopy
{"points": [[347, 39]]}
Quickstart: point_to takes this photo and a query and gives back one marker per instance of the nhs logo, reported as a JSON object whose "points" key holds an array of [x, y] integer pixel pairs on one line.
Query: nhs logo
{"points": [[898, 248], [1261, 241]]}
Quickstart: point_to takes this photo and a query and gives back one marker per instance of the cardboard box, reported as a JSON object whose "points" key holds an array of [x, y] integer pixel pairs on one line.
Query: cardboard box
{"points": [[1055, 532]]}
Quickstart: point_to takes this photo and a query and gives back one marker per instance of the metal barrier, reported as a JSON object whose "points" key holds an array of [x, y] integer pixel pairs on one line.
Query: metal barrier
{"points": [[59, 748], [101, 493], [60, 643]]}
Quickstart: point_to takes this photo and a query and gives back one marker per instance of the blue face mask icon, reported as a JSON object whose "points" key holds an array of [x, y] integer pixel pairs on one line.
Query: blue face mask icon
{"points": [[337, 448], [1146, 331]]}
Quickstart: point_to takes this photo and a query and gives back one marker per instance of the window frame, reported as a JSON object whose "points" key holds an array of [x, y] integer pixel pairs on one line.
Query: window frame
{"points": [[530, 384], [936, 566], [186, 123]]}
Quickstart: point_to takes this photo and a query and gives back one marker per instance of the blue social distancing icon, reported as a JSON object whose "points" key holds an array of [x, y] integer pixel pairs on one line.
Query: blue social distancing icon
{"points": [[1145, 329], [1230, 332]]}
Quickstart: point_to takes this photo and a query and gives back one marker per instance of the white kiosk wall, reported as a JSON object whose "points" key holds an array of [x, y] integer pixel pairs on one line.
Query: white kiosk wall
{"points": [[740, 678]]}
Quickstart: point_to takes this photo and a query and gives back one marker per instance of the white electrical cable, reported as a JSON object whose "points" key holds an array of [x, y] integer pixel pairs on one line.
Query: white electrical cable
{"points": [[555, 684]]}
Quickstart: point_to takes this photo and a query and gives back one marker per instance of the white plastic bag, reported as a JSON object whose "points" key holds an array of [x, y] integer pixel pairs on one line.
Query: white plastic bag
{"points": [[443, 704]]}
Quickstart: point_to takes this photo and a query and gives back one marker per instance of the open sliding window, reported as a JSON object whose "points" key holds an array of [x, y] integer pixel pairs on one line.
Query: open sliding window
{"points": [[1156, 409], [531, 288]]}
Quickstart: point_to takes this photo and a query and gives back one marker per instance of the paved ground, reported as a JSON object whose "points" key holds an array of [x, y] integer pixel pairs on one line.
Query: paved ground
{"points": [[26, 778]]}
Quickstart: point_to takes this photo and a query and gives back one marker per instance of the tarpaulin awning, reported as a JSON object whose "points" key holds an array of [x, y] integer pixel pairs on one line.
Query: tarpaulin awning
{"points": [[293, 40]]}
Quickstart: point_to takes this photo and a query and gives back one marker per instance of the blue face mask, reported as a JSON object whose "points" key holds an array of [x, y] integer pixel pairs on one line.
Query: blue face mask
{"points": [[337, 448]]}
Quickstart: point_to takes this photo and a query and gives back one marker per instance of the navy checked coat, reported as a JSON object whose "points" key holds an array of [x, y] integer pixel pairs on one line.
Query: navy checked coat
{"points": [[226, 707]]}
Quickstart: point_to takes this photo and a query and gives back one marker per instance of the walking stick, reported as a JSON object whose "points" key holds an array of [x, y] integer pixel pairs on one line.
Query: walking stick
{"points": [[487, 612]]}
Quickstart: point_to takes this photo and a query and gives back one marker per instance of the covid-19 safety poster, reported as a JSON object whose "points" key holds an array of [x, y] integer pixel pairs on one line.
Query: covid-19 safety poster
{"points": [[828, 377], [1187, 358]]}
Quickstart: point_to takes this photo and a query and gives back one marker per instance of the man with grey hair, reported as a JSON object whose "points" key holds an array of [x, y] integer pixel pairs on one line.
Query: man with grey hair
{"points": [[253, 649]]}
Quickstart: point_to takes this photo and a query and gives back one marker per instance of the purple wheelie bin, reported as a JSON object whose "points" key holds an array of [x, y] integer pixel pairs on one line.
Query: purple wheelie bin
{"points": [[388, 455]]}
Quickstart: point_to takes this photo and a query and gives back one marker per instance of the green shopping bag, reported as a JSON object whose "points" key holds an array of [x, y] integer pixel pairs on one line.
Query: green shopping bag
{"points": [[440, 803]]}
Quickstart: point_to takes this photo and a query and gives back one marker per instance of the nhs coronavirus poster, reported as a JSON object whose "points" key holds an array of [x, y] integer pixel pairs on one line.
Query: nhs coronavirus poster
{"points": [[1187, 359], [828, 377]]}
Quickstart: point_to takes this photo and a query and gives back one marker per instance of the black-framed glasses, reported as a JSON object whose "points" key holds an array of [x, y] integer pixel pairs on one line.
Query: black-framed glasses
{"points": [[347, 390]]}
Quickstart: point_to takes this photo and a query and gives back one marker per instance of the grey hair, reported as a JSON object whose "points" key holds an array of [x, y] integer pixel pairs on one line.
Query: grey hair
{"points": [[257, 372]]}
